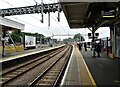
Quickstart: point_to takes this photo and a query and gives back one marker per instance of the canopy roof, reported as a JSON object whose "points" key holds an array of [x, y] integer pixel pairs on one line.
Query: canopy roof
{"points": [[89, 14], [7, 24]]}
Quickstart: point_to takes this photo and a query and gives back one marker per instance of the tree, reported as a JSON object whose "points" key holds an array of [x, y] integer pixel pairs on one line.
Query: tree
{"points": [[48, 39], [16, 36], [78, 37]]}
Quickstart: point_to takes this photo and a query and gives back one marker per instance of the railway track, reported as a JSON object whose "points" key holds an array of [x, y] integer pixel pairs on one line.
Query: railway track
{"points": [[13, 74], [31, 61], [53, 74]]}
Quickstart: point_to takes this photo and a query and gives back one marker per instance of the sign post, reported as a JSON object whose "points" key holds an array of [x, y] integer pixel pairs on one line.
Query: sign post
{"points": [[93, 36]]}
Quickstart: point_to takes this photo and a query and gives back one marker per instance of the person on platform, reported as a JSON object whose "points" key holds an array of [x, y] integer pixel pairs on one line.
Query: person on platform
{"points": [[98, 49], [80, 46], [75, 44], [85, 46]]}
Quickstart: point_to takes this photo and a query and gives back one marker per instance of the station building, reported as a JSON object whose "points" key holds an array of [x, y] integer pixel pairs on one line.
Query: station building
{"points": [[7, 25], [115, 38]]}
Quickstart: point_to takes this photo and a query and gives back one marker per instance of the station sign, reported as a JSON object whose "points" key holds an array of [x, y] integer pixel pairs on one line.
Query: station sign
{"points": [[108, 13], [96, 34], [90, 34]]}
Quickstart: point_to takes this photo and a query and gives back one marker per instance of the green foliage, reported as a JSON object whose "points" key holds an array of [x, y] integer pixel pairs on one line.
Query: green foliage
{"points": [[78, 37], [48, 39], [35, 35], [68, 40], [17, 34]]}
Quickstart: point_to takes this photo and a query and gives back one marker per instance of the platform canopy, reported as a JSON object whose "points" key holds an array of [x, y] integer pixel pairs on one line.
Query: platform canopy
{"points": [[86, 13], [7, 24]]}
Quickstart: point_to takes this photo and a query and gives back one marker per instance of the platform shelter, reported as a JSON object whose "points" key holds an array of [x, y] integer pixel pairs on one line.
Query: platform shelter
{"points": [[7, 25]]}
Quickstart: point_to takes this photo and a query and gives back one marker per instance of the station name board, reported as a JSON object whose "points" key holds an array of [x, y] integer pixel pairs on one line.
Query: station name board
{"points": [[108, 14]]}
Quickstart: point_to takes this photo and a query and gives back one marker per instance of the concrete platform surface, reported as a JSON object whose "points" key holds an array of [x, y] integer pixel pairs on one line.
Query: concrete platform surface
{"points": [[77, 73], [105, 71]]}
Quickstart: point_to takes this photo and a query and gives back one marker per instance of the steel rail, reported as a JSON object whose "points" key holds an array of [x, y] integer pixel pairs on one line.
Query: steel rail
{"points": [[29, 62], [28, 69], [41, 75], [58, 80]]}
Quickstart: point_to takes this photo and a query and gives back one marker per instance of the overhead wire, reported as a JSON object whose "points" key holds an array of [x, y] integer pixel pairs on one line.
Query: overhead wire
{"points": [[22, 20], [29, 23], [50, 16], [58, 24], [31, 15], [34, 18], [31, 4], [53, 18], [7, 3]]}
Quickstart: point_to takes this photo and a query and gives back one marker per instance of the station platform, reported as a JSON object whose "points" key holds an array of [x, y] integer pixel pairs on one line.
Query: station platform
{"points": [[105, 71], [84, 70], [25, 53], [77, 73]]}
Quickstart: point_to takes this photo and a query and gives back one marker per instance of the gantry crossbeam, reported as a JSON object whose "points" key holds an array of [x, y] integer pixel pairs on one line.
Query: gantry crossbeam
{"points": [[31, 9]]}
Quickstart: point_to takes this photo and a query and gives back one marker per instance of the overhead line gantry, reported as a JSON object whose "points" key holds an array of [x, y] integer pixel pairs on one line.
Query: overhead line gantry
{"points": [[41, 8], [30, 9]]}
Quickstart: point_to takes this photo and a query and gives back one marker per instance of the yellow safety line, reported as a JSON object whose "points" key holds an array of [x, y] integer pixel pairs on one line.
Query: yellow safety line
{"points": [[90, 75]]}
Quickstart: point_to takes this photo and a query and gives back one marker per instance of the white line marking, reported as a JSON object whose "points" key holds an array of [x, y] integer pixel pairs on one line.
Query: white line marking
{"points": [[63, 80]]}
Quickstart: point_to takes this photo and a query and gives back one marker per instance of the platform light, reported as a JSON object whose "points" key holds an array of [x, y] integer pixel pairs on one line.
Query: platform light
{"points": [[111, 16]]}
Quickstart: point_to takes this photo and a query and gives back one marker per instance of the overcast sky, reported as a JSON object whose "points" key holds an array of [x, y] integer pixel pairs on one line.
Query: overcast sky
{"points": [[33, 24]]}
